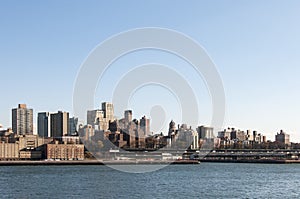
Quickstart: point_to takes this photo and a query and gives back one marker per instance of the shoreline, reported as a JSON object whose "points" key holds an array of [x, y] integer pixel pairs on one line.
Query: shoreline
{"points": [[93, 162], [138, 162], [255, 161]]}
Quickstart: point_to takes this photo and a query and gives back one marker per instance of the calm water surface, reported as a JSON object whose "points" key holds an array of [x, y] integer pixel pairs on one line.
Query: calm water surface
{"points": [[207, 180]]}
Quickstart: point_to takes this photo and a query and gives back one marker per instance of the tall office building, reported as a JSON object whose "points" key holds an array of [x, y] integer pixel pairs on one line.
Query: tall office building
{"points": [[73, 126], [59, 124], [205, 132], [282, 137], [108, 109], [145, 125], [22, 120], [86, 132], [128, 116], [44, 124], [94, 117], [99, 119]]}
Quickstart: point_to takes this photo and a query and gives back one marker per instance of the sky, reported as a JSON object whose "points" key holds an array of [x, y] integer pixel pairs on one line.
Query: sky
{"points": [[254, 45]]}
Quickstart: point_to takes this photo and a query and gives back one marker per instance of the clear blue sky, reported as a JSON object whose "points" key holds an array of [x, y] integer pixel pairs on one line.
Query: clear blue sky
{"points": [[255, 45]]}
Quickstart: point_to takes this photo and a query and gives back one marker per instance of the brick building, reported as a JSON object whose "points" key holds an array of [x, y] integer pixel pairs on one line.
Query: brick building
{"points": [[58, 151]]}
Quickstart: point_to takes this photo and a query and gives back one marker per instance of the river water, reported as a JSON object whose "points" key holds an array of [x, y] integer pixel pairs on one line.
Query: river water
{"points": [[206, 180]]}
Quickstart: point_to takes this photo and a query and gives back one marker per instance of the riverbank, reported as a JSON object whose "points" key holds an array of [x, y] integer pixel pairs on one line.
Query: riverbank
{"points": [[257, 161], [95, 162], [140, 162]]}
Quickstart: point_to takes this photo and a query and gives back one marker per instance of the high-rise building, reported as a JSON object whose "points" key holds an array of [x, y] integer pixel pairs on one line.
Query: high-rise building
{"points": [[99, 119], [59, 124], [94, 117], [249, 135], [205, 132], [108, 109], [44, 124], [22, 120], [128, 116], [145, 125], [237, 135], [86, 132], [282, 137], [73, 126], [225, 134], [114, 126], [172, 128]]}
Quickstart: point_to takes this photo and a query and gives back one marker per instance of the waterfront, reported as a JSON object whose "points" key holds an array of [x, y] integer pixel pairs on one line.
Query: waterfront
{"points": [[206, 180]]}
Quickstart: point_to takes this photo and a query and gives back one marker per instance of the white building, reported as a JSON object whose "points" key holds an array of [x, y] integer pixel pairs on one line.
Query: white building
{"points": [[22, 120]]}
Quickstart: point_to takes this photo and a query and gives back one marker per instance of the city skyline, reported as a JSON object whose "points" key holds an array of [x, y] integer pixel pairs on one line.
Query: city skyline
{"points": [[150, 99], [254, 46], [46, 125]]}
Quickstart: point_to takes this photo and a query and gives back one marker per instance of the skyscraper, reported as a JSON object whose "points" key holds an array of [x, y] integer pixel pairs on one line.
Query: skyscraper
{"points": [[22, 120], [205, 132], [108, 109], [282, 137], [59, 124], [44, 124], [145, 125], [99, 119], [128, 116], [73, 126], [94, 117]]}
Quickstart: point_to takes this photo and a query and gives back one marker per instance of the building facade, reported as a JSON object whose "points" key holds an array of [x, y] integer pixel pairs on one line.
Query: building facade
{"points": [[44, 124], [59, 124], [108, 109], [99, 119], [73, 126], [145, 126], [22, 120], [94, 117], [282, 137], [58, 151], [127, 116], [9, 151], [86, 132], [205, 132]]}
